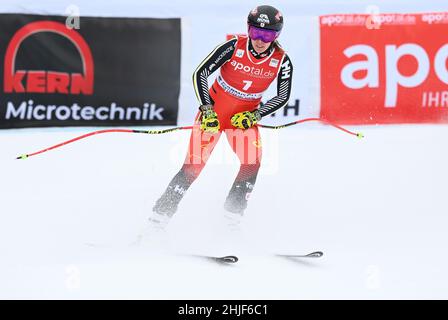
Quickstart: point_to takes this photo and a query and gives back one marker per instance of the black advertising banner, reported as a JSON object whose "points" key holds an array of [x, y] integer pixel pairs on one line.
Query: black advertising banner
{"points": [[108, 72]]}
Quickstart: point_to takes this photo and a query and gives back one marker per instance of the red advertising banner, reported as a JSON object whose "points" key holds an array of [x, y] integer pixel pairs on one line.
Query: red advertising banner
{"points": [[385, 68]]}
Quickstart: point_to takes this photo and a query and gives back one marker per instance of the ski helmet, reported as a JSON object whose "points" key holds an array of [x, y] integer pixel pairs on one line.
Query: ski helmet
{"points": [[266, 17]]}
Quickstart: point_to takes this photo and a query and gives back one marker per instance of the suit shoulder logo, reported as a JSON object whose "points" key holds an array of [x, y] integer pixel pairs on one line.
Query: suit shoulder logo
{"points": [[274, 63], [239, 53]]}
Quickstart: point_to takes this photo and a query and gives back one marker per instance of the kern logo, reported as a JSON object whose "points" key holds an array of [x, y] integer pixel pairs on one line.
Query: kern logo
{"points": [[41, 81]]}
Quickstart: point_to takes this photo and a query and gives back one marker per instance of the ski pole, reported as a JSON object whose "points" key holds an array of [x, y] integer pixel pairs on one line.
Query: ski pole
{"points": [[25, 156], [359, 135], [100, 132]]}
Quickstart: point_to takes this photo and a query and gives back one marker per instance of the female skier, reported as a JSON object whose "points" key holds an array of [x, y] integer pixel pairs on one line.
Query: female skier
{"points": [[248, 65]]}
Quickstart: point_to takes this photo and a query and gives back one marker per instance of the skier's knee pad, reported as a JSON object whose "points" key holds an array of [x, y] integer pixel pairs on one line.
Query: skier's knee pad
{"points": [[191, 171], [248, 172]]}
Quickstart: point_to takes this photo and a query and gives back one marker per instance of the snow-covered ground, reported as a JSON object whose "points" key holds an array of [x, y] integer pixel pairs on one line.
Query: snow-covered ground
{"points": [[377, 207]]}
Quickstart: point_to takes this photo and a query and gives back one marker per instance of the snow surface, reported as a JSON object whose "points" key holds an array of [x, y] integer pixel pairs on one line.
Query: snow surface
{"points": [[377, 207]]}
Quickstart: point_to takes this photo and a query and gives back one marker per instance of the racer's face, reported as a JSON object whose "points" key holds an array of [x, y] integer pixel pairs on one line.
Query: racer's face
{"points": [[260, 46]]}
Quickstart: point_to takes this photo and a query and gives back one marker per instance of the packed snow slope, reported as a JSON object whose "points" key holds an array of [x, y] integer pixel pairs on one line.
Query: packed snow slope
{"points": [[377, 208]]}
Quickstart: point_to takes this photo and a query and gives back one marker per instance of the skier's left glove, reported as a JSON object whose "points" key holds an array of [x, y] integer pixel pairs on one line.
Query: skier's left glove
{"points": [[246, 119]]}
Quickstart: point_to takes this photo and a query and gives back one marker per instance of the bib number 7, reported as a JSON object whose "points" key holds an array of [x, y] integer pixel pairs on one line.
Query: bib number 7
{"points": [[247, 84]]}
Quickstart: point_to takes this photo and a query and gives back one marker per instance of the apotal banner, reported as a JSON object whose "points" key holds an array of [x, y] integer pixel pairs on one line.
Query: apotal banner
{"points": [[386, 68]]}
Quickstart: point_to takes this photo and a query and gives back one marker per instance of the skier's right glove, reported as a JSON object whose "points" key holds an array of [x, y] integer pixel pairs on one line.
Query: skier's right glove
{"points": [[209, 119]]}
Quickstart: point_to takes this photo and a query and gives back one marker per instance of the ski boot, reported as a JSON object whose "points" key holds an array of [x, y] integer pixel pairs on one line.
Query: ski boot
{"points": [[236, 203]]}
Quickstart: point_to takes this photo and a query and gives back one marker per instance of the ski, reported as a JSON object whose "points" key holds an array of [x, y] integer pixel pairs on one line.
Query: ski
{"points": [[316, 254], [226, 259], [220, 259], [223, 259]]}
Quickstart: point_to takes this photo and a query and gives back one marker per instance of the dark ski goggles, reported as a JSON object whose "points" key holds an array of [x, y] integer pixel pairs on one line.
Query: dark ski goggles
{"points": [[264, 35]]}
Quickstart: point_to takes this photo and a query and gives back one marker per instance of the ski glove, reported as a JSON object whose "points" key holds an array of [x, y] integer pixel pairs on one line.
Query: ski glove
{"points": [[209, 119], [246, 119]]}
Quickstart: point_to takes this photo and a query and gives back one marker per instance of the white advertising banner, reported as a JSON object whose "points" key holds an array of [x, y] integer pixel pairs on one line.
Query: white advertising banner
{"points": [[300, 40]]}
